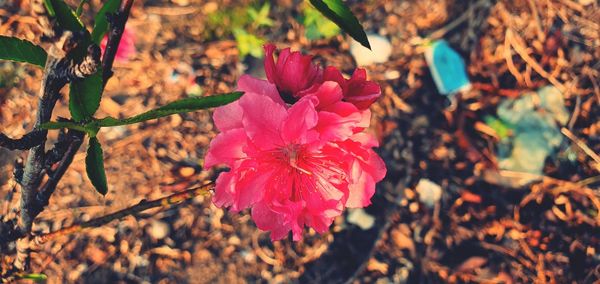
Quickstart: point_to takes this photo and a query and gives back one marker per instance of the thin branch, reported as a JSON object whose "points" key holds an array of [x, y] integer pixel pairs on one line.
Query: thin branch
{"points": [[133, 210], [27, 244], [117, 27], [32, 176], [28, 141], [43, 197], [584, 147]]}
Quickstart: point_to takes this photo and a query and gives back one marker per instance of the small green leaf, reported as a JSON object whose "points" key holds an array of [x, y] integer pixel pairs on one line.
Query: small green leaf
{"points": [[180, 106], [317, 26], [340, 14], [502, 129], [12, 48], [94, 166], [84, 97], [37, 277], [101, 22], [260, 17], [248, 43], [49, 8], [67, 18]]}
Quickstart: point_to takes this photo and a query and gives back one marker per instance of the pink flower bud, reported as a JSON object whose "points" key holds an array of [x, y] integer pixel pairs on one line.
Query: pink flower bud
{"points": [[292, 73], [357, 89]]}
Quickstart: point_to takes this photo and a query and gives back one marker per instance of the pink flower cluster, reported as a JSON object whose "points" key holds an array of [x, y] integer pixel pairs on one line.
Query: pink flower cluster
{"points": [[296, 146]]}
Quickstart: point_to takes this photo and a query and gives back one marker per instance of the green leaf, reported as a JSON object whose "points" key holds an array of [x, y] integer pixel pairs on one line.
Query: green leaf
{"points": [[248, 43], [49, 7], [84, 97], [100, 22], [94, 166], [37, 277], [180, 106], [260, 17], [502, 129], [12, 48], [340, 14], [67, 18], [318, 26]]}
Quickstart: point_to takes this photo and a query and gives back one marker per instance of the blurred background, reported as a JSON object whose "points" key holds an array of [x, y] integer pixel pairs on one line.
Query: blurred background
{"points": [[492, 160]]}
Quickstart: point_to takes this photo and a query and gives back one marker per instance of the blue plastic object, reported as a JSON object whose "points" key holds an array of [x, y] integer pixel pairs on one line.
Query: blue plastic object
{"points": [[447, 68]]}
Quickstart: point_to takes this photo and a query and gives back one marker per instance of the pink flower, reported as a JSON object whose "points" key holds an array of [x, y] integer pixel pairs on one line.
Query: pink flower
{"points": [[295, 76], [293, 72], [126, 47], [357, 89], [294, 165]]}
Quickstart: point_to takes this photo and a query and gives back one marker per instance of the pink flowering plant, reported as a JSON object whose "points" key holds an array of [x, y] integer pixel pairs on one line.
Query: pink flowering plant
{"points": [[296, 146]]}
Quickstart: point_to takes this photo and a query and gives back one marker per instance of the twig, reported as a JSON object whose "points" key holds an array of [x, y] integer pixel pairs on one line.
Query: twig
{"points": [[582, 146], [28, 141], [441, 32], [32, 176], [26, 244], [141, 206], [531, 62], [508, 57], [67, 158], [117, 27], [536, 19]]}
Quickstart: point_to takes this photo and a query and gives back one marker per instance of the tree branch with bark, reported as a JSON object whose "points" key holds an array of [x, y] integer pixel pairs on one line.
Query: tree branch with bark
{"points": [[61, 67]]}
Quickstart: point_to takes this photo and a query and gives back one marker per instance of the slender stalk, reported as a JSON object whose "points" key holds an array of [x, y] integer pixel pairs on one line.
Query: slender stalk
{"points": [[34, 167], [141, 206], [26, 142], [117, 27]]}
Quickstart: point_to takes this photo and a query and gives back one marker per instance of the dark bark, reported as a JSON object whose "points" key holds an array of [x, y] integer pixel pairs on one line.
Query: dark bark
{"points": [[29, 140]]}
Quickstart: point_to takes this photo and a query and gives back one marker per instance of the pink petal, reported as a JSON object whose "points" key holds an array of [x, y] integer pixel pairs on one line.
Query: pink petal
{"points": [[262, 120], [333, 74], [226, 148], [224, 190], [362, 187], [365, 139], [357, 90], [249, 84], [250, 188], [228, 116], [328, 93], [362, 95], [270, 62], [268, 220], [333, 127], [302, 117]]}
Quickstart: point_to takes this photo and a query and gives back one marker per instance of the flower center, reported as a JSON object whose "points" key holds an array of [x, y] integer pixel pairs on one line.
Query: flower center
{"points": [[293, 156]]}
